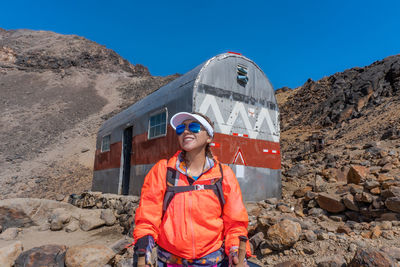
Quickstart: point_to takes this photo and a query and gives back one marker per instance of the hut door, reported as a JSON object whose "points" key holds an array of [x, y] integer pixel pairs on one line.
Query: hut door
{"points": [[127, 149]]}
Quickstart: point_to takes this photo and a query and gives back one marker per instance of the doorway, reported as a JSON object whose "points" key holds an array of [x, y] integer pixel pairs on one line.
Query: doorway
{"points": [[127, 151]]}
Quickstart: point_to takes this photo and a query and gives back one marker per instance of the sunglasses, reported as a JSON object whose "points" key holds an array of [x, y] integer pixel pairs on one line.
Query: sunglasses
{"points": [[194, 127]]}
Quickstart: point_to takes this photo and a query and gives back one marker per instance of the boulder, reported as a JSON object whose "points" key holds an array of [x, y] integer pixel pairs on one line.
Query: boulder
{"points": [[72, 226], [331, 203], [349, 202], [108, 217], [88, 256], [58, 218], [24, 212], [283, 235], [10, 234], [10, 253], [91, 220], [371, 258], [393, 204], [47, 255], [356, 174]]}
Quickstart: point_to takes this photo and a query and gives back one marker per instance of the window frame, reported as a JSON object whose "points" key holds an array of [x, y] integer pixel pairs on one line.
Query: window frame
{"points": [[102, 143], [153, 114]]}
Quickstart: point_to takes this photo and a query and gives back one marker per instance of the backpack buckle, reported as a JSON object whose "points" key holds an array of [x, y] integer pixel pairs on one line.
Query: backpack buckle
{"points": [[198, 187]]}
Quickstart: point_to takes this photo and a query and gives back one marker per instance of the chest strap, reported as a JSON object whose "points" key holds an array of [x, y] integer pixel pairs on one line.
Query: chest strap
{"points": [[173, 188]]}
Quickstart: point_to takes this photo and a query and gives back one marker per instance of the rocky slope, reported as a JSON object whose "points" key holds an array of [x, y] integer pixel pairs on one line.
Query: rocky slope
{"points": [[340, 160], [55, 92]]}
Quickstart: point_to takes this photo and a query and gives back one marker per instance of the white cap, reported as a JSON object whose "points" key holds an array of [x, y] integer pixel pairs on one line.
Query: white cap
{"points": [[180, 117]]}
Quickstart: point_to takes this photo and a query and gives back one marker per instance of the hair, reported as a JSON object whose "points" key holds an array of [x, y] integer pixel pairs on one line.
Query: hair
{"points": [[208, 149]]}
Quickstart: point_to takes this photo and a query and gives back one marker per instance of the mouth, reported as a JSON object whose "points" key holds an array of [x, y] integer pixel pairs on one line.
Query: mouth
{"points": [[188, 138]]}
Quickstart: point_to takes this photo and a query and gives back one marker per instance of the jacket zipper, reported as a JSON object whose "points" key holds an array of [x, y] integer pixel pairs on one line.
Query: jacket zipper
{"points": [[191, 224]]}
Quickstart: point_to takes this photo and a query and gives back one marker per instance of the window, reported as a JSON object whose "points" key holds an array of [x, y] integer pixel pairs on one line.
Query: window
{"points": [[158, 125], [242, 75], [105, 143]]}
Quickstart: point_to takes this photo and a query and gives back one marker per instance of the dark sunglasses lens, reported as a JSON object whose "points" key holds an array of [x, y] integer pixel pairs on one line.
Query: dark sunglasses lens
{"points": [[194, 127], [180, 129]]}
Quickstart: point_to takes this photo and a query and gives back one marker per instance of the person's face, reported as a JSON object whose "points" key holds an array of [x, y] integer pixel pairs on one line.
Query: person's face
{"points": [[190, 141]]}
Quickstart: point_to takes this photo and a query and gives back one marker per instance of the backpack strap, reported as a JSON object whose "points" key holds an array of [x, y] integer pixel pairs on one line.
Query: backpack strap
{"points": [[173, 188]]}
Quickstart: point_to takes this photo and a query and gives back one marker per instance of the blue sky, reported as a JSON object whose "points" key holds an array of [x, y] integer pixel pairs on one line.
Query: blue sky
{"points": [[290, 40]]}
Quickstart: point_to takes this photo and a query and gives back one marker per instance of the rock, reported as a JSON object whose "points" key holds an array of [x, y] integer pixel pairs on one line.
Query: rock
{"points": [[47, 255], [292, 263], [349, 202], [322, 236], [331, 203], [256, 240], [9, 234], [356, 189], [386, 225], [310, 236], [341, 174], [58, 218], [364, 197], [302, 191], [91, 220], [331, 261], [389, 216], [125, 263], [392, 203], [310, 195], [375, 191], [72, 226], [253, 209], [370, 258], [356, 174], [88, 256], [383, 178], [120, 246], [392, 191], [387, 168], [316, 212], [344, 229], [369, 184], [376, 232], [283, 235], [60, 197], [25, 212], [319, 184], [298, 170], [108, 216], [392, 252], [10, 253]]}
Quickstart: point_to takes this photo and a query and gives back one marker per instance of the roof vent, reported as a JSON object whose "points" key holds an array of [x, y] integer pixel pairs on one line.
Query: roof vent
{"points": [[242, 75]]}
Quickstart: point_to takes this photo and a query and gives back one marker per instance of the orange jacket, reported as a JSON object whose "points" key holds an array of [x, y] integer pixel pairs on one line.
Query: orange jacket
{"points": [[192, 226]]}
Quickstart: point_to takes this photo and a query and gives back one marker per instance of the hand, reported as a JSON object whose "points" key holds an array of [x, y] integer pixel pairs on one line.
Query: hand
{"points": [[235, 261]]}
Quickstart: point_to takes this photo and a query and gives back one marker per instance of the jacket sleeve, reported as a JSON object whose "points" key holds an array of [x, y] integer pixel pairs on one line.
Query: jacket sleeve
{"points": [[234, 214], [148, 214]]}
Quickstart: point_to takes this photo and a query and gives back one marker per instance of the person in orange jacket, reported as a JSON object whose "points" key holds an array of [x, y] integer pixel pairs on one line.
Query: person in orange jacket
{"points": [[191, 205]]}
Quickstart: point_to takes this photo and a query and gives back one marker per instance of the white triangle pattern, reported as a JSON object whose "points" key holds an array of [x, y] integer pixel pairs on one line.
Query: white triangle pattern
{"points": [[239, 108]]}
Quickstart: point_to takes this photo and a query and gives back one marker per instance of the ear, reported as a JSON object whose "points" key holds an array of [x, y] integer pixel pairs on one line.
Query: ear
{"points": [[209, 140]]}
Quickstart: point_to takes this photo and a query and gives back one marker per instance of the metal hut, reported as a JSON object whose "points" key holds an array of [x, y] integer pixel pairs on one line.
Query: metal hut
{"points": [[233, 92]]}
